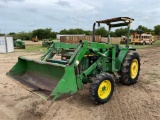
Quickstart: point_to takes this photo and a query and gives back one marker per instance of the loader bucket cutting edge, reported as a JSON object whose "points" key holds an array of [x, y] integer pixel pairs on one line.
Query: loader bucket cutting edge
{"points": [[37, 76]]}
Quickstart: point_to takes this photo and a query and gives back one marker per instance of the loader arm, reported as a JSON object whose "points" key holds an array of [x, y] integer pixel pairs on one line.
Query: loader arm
{"points": [[54, 49], [87, 48]]}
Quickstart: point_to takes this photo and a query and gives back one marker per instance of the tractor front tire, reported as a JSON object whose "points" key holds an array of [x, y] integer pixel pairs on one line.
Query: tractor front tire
{"points": [[130, 68], [102, 88]]}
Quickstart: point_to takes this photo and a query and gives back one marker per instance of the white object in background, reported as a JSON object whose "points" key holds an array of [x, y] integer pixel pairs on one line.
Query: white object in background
{"points": [[6, 44]]}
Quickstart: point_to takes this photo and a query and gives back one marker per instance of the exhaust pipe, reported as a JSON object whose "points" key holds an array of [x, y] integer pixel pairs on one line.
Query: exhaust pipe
{"points": [[93, 32]]}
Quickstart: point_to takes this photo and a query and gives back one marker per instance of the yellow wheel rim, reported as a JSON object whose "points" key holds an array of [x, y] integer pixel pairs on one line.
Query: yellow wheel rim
{"points": [[104, 89], [134, 68]]}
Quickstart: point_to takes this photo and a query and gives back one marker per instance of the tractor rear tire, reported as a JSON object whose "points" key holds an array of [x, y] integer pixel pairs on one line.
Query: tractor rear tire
{"points": [[130, 68], [102, 88]]}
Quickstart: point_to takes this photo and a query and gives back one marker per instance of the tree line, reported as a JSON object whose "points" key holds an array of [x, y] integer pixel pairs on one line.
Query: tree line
{"points": [[47, 33]]}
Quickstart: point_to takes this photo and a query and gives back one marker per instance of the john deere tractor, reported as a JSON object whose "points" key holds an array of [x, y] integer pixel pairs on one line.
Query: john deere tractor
{"points": [[19, 44], [65, 67]]}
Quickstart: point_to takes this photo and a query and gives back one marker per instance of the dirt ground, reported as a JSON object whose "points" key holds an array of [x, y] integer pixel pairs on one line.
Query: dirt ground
{"points": [[137, 102]]}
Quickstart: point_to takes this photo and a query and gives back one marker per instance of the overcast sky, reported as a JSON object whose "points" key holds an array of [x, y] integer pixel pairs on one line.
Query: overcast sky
{"points": [[27, 15]]}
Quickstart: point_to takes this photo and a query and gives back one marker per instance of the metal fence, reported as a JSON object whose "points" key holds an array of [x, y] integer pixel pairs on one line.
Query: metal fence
{"points": [[76, 39]]}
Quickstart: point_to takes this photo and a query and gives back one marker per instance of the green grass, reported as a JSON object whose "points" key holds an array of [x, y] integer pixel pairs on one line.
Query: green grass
{"points": [[157, 42], [35, 48]]}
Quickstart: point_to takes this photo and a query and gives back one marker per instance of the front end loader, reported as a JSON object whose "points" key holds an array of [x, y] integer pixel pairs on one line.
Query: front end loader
{"points": [[65, 67]]}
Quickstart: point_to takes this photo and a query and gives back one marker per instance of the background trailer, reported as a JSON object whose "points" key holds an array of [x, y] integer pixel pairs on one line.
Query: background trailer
{"points": [[6, 44]]}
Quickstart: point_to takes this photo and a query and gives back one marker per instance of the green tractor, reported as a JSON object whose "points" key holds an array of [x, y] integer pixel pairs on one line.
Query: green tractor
{"points": [[19, 44], [65, 67], [47, 43]]}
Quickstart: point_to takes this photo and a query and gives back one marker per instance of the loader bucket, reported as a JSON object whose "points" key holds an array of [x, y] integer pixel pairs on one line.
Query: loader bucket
{"points": [[38, 76]]}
